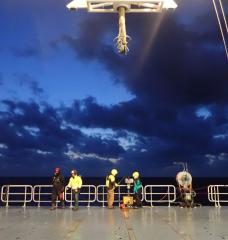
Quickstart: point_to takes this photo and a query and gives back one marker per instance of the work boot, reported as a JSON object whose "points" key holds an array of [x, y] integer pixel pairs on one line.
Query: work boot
{"points": [[62, 205], [53, 207]]}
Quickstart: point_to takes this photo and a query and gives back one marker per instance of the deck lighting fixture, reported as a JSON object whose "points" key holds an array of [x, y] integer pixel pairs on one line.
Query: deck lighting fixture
{"points": [[122, 7]]}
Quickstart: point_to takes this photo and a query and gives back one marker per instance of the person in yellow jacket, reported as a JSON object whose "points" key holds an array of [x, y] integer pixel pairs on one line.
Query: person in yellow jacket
{"points": [[75, 183], [111, 185]]}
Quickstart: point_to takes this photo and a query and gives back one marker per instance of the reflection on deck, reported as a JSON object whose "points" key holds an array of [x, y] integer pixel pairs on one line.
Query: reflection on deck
{"points": [[155, 223]]}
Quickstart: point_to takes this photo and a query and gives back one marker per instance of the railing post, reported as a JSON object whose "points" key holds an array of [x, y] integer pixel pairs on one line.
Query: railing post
{"points": [[168, 196], [215, 195], [175, 194], [89, 198], [7, 195], [25, 197], [118, 195], [95, 193], [208, 193], [212, 190], [39, 196], [218, 197], [151, 201], [71, 198], [103, 196]]}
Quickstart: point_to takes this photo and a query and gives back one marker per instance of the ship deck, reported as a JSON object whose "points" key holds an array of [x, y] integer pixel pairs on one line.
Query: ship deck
{"points": [[157, 223]]}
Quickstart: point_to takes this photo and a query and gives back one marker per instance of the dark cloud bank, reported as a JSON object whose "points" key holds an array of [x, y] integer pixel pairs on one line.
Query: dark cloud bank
{"points": [[173, 75]]}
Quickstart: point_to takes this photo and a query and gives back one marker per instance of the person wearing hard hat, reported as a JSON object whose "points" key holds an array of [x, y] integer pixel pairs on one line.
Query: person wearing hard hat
{"points": [[75, 183], [58, 189], [111, 184], [137, 189]]}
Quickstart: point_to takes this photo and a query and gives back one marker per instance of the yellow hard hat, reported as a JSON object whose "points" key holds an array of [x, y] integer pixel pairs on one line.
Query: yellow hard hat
{"points": [[114, 172], [111, 178], [135, 175]]}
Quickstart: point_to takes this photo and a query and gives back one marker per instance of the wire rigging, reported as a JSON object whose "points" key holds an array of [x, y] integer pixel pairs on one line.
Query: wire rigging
{"points": [[223, 14], [220, 24]]}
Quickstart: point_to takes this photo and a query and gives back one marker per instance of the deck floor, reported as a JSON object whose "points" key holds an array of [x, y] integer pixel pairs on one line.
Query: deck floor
{"points": [[157, 223]]}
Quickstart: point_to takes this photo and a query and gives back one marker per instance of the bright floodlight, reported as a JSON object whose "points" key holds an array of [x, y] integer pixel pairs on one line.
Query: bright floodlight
{"points": [[168, 4], [121, 7], [77, 4]]}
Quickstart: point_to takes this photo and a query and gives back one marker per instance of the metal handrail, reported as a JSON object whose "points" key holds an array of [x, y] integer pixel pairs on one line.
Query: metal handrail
{"points": [[98, 194], [171, 191], [40, 194], [6, 193], [118, 192], [67, 193], [89, 193], [214, 194]]}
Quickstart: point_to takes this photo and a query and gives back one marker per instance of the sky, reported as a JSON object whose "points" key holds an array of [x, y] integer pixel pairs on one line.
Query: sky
{"points": [[69, 100]]}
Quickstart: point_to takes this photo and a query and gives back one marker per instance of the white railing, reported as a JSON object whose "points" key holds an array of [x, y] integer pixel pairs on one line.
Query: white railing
{"points": [[90, 194], [86, 190], [212, 195], [216, 195], [42, 194], [166, 196], [13, 194], [120, 191]]}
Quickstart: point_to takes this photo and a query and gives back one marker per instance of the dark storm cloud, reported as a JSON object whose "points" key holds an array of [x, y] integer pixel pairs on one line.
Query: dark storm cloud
{"points": [[108, 148], [35, 136], [188, 68], [41, 137], [25, 79], [180, 64], [127, 115], [135, 116], [165, 134], [20, 115], [172, 72], [95, 41]]}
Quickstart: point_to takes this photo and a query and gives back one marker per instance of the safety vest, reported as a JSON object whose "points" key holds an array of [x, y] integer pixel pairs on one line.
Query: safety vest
{"points": [[109, 184], [75, 182]]}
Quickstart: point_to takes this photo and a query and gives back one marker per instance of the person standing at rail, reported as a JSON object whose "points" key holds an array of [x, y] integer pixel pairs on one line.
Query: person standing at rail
{"points": [[58, 189], [75, 183], [111, 185], [137, 190]]}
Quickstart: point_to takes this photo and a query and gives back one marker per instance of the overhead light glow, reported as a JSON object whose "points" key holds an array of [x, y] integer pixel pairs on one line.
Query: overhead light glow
{"points": [[122, 7], [169, 4], [75, 4]]}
